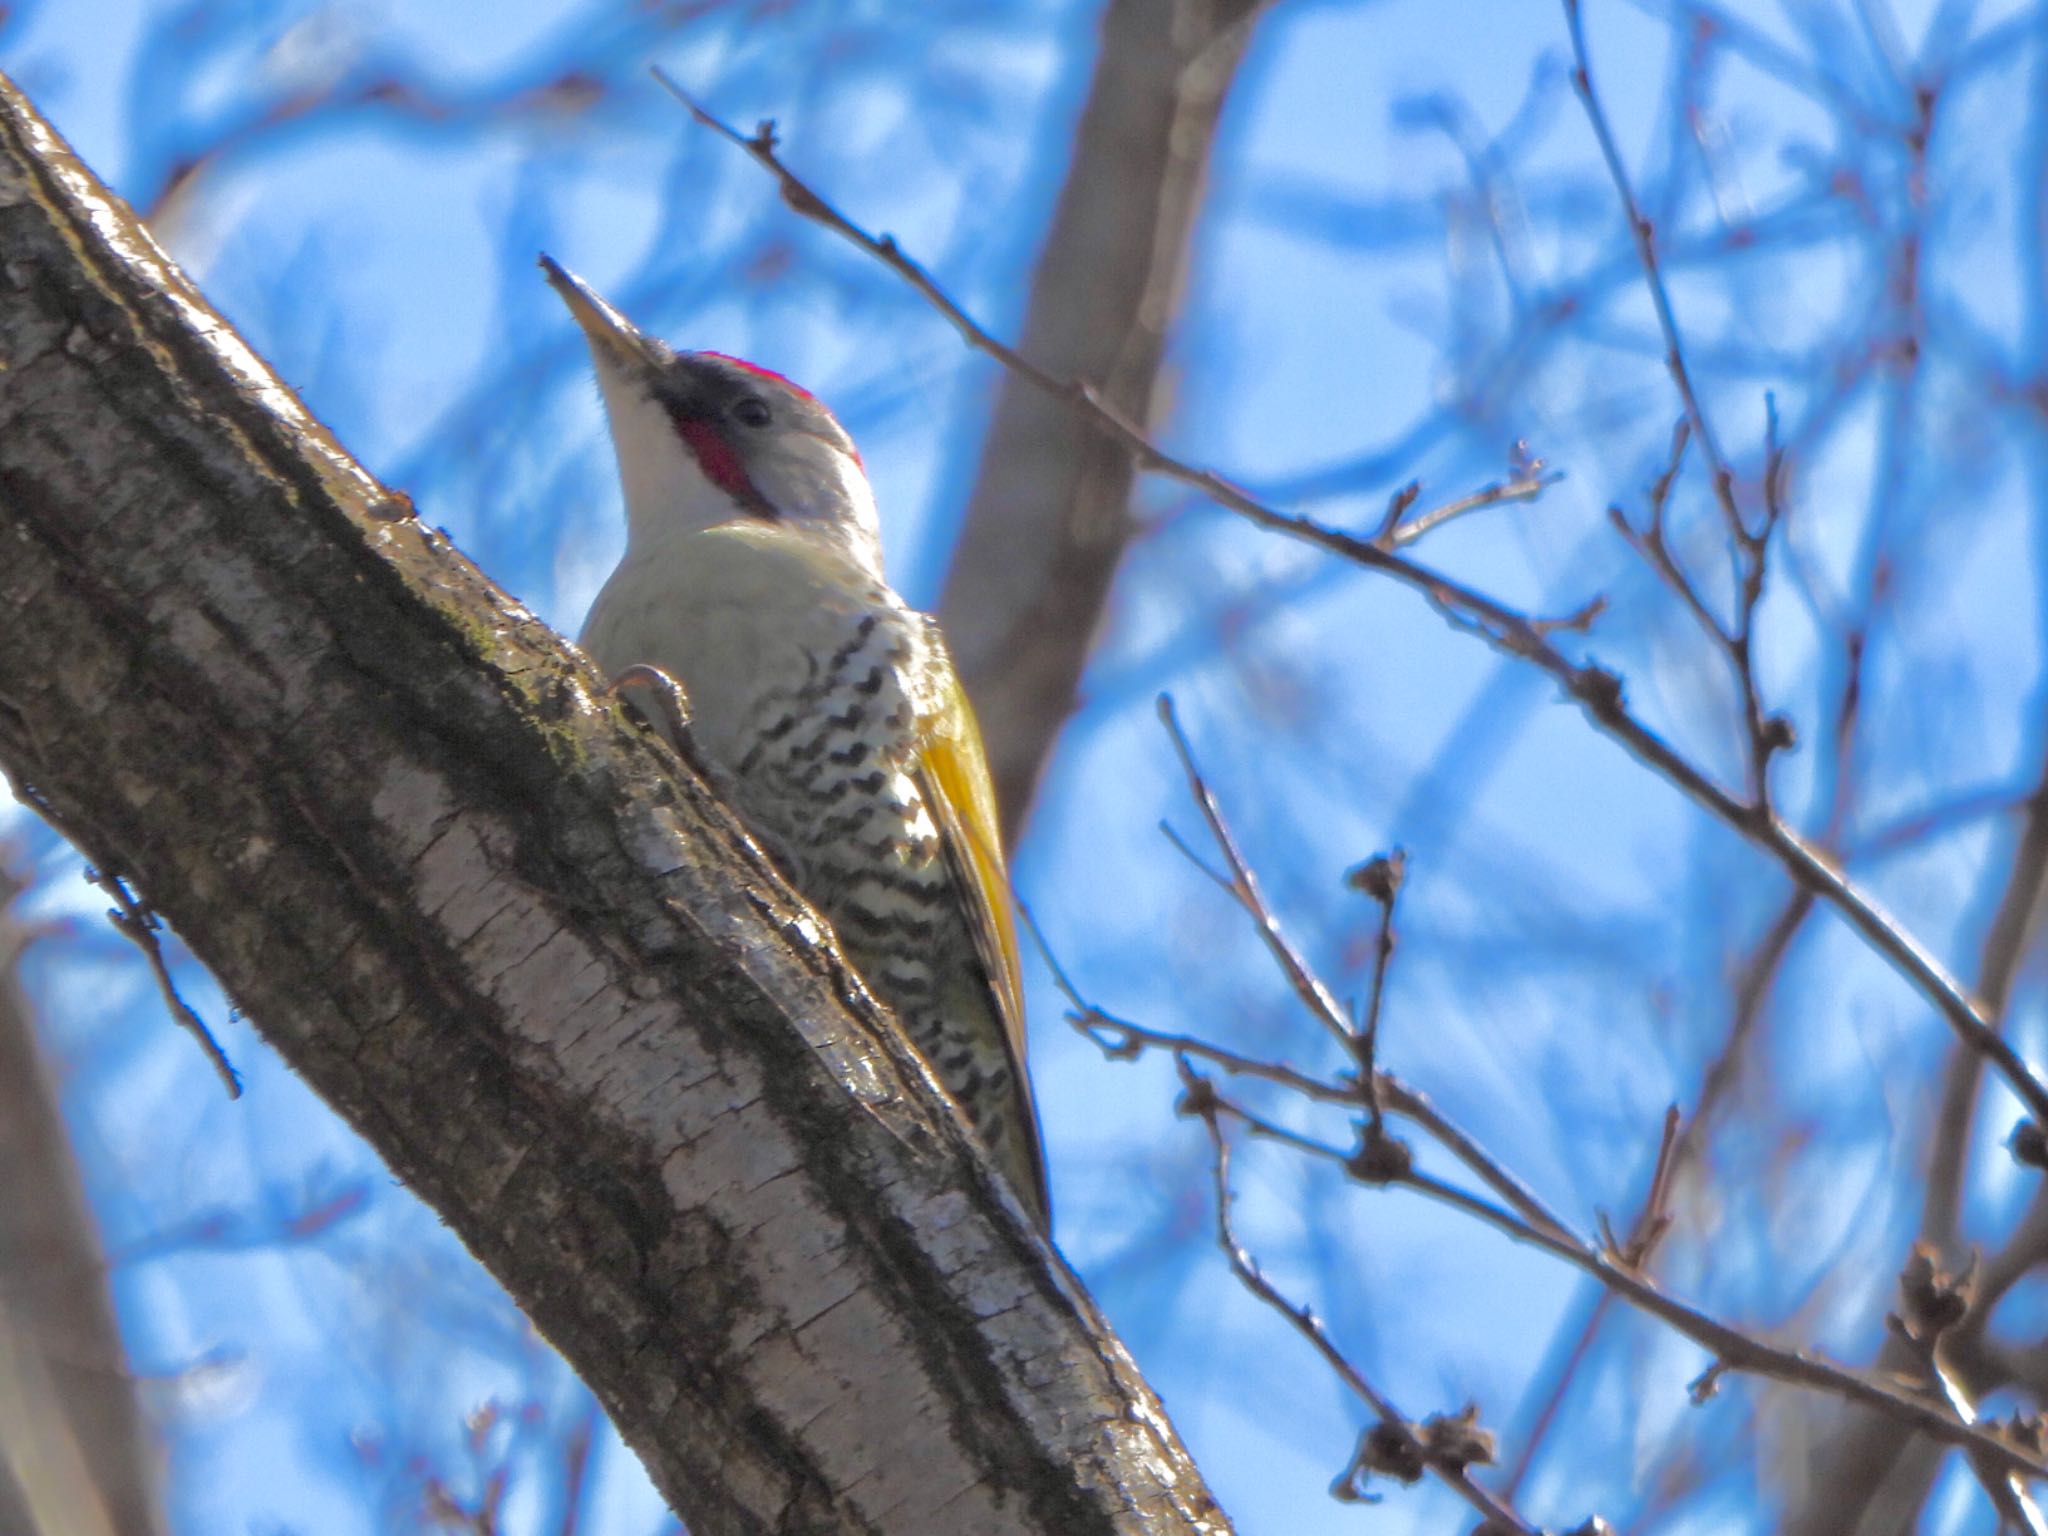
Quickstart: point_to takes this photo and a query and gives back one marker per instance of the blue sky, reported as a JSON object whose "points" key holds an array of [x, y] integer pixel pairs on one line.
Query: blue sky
{"points": [[1570, 923]]}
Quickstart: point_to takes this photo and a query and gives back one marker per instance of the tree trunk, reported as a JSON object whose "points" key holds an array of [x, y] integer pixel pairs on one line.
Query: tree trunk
{"points": [[529, 958], [75, 1457], [1050, 514]]}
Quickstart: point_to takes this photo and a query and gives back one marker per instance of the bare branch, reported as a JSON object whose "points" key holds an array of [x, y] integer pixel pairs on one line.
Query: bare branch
{"points": [[1614, 1263], [1044, 528], [139, 926], [1736, 1350], [1655, 1218], [1644, 236], [1934, 1302], [1321, 1003], [1380, 879], [1597, 691], [1404, 1449], [1530, 479]]}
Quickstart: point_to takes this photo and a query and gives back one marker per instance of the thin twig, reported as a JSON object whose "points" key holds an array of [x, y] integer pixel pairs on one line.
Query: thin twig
{"points": [[1933, 1302], [1559, 1388], [1524, 1218], [1204, 1105], [1123, 1040], [1529, 481], [1399, 1098], [139, 924], [2006, 1490], [1616, 1265], [1596, 690], [1272, 1130], [1655, 548], [1380, 879], [1747, 547], [1655, 1218], [1644, 236], [1734, 1350], [1731, 1348], [1245, 886], [1187, 851], [1764, 734]]}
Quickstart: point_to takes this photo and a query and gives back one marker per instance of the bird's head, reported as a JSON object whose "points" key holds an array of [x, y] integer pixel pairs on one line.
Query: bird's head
{"points": [[705, 439]]}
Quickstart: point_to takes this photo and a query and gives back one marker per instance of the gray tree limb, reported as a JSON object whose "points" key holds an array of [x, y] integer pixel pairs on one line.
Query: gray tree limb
{"points": [[534, 962], [1049, 516]]}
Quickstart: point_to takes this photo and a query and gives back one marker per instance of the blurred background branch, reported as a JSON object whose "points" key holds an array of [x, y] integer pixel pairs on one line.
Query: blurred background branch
{"points": [[1049, 513], [76, 1453]]}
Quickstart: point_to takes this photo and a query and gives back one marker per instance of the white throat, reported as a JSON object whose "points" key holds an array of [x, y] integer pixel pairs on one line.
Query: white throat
{"points": [[666, 490]]}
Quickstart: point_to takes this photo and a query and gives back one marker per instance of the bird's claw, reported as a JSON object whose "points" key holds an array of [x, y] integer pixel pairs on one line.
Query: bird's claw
{"points": [[672, 715]]}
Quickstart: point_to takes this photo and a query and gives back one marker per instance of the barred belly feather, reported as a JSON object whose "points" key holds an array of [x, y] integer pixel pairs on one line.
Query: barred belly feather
{"points": [[807, 682]]}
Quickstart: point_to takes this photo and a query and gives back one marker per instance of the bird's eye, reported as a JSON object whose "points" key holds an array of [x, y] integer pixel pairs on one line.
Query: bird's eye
{"points": [[752, 411]]}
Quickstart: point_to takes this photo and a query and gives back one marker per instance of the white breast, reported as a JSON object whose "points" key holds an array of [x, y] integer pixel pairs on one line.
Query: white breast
{"points": [[745, 616]]}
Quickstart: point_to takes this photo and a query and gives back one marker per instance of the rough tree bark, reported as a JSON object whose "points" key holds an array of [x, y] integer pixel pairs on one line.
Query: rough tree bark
{"points": [[532, 961], [1050, 513], [75, 1459]]}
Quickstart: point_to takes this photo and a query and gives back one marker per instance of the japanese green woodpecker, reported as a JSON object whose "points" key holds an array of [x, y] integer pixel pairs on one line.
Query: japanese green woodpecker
{"points": [[827, 708]]}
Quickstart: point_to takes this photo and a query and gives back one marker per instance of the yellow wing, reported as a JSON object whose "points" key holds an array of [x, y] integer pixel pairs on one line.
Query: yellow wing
{"points": [[953, 772]]}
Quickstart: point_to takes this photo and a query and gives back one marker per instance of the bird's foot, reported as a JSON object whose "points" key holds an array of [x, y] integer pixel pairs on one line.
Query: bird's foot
{"points": [[671, 716]]}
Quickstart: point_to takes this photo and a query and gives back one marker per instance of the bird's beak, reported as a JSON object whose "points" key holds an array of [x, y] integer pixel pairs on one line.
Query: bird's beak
{"points": [[613, 338]]}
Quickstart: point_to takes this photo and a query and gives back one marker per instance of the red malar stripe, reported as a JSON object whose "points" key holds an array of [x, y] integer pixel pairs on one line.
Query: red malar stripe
{"points": [[719, 460]]}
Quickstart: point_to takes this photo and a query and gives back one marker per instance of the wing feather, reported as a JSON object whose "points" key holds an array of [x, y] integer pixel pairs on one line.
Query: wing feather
{"points": [[952, 770]]}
